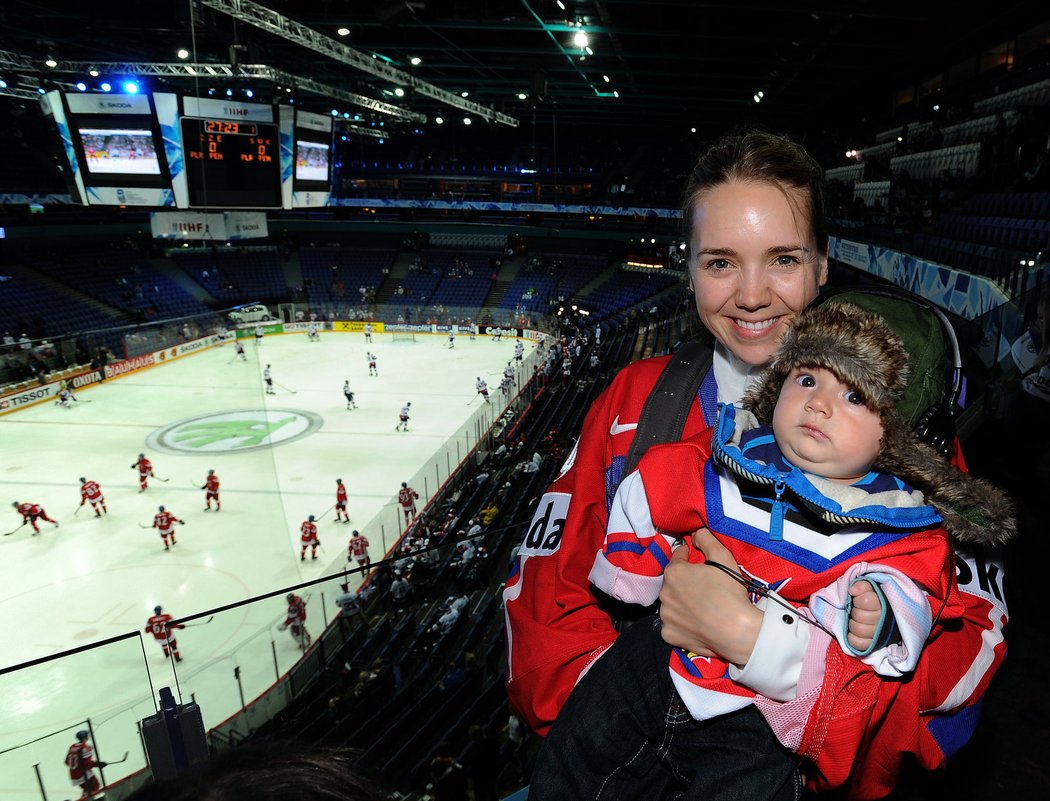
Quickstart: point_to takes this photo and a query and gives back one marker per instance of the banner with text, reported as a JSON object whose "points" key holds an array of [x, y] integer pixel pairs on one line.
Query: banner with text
{"points": [[228, 226]]}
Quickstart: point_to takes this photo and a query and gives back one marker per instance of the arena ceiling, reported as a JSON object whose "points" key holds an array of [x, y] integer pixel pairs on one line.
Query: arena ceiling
{"points": [[670, 64]]}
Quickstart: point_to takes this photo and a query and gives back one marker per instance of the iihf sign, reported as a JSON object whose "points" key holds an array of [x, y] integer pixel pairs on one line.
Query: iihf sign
{"points": [[234, 432]]}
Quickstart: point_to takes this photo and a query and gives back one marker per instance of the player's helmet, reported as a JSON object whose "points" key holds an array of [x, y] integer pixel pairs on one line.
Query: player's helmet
{"points": [[157, 610], [211, 472], [339, 481], [160, 508], [82, 735], [311, 518], [403, 484], [290, 597], [142, 456], [409, 403], [355, 533], [83, 480], [16, 503], [267, 367]]}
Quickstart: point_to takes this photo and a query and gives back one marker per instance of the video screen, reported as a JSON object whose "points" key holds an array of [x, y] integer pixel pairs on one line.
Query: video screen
{"points": [[119, 151], [312, 161]]}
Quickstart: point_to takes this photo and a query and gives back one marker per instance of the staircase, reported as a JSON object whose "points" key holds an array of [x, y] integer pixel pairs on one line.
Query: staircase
{"points": [[170, 270], [508, 271]]}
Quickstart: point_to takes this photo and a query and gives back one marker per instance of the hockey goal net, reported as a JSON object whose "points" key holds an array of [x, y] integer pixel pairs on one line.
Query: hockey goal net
{"points": [[403, 336]]}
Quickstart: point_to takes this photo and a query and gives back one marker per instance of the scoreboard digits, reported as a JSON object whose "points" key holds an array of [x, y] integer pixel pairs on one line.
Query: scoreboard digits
{"points": [[231, 163]]}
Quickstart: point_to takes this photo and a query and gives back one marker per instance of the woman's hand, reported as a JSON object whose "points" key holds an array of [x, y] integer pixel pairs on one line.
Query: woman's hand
{"points": [[705, 611]]}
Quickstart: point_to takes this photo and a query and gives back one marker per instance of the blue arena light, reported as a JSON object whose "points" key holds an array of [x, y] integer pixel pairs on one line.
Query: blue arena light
{"points": [[131, 87], [249, 93], [3, 83], [105, 86], [229, 93], [81, 86]]}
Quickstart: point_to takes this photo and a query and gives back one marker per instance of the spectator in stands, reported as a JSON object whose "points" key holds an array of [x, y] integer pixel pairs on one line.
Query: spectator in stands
{"points": [[489, 512], [758, 255], [481, 762], [448, 779]]}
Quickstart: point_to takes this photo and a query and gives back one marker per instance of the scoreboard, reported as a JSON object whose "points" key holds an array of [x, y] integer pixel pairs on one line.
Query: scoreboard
{"points": [[231, 163]]}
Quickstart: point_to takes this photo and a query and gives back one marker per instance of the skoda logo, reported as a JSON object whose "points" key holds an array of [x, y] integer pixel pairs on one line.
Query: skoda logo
{"points": [[234, 432]]}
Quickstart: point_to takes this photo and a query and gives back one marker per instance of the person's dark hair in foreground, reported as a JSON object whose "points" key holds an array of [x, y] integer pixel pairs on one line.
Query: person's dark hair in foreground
{"points": [[273, 772]]}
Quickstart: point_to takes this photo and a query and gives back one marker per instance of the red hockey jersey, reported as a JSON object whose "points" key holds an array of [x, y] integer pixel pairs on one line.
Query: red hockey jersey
{"points": [[90, 491]]}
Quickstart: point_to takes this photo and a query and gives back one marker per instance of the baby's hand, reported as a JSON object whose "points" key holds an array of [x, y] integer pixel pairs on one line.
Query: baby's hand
{"points": [[864, 616]]}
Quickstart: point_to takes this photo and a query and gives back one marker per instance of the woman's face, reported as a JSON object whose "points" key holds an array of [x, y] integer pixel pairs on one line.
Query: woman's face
{"points": [[754, 265]]}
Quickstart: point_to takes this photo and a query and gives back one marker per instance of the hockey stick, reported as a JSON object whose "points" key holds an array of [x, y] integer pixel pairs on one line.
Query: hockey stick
{"points": [[476, 396], [282, 386], [142, 526], [195, 485], [165, 480], [12, 531], [78, 510], [326, 511], [202, 623], [117, 761]]}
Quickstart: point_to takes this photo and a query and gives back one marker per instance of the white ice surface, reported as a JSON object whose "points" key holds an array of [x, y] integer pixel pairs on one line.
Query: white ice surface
{"points": [[92, 579]]}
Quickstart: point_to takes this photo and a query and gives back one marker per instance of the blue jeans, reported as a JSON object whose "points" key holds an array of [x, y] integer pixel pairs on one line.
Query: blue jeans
{"points": [[625, 734]]}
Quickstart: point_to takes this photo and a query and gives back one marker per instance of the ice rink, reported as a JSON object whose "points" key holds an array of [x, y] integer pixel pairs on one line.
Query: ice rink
{"points": [[91, 579]]}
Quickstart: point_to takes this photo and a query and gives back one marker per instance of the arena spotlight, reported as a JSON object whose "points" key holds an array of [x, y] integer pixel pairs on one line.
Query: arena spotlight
{"points": [[343, 31], [50, 61], [416, 61], [183, 53], [105, 86], [93, 73], [81, 86], [466, 120], [3, 83], [580, 39], [439, 120], [131, 87], [229, 93], [249, 93]]}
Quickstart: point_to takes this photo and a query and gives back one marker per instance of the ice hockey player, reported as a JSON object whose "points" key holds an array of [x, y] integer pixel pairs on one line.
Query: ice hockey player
{"points": [[238, 346], [268, 378], [505, 385], [508, 371], [211, 491], [160, 626], [311, 333], [451, 338], [349, 393], [220, 334], [91, 492], [308, 538], [31, 512], [358, 549], [473, 330], [406, 496], [65, 395], [259, 335], [80, 759], [165, 522], [340, 502], [145, 468], [296, 620], [403, 417], [368, 333], [519, 350], [497, 333], [483, 388], [372, 369]]}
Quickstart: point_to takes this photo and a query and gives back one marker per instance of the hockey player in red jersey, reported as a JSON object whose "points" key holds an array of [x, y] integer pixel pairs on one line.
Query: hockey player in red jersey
{"points": [[296, 620], [165, 522], [80, 759], [31, 512], [308, 538], [91, 492], [211, 487], [358, 549], [340, 502], [145, 468], [160, 626], [406, 496]]}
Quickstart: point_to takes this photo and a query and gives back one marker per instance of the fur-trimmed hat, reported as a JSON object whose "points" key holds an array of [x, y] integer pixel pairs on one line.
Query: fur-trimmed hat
{"points": [[863, 352]]}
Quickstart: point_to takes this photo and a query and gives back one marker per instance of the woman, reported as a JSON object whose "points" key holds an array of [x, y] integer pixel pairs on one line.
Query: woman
{"points": [[758, 239]]}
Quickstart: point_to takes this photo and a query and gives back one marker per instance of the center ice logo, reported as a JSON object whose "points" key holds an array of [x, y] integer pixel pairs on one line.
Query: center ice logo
{"points": [[234, 432]]}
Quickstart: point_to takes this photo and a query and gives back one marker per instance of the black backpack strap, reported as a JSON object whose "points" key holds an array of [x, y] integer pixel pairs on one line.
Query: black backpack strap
{"points": [[667, 407]]}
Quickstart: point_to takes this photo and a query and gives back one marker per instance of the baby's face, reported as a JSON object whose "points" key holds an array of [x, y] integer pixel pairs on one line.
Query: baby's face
{"points": [[823, 427]]}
